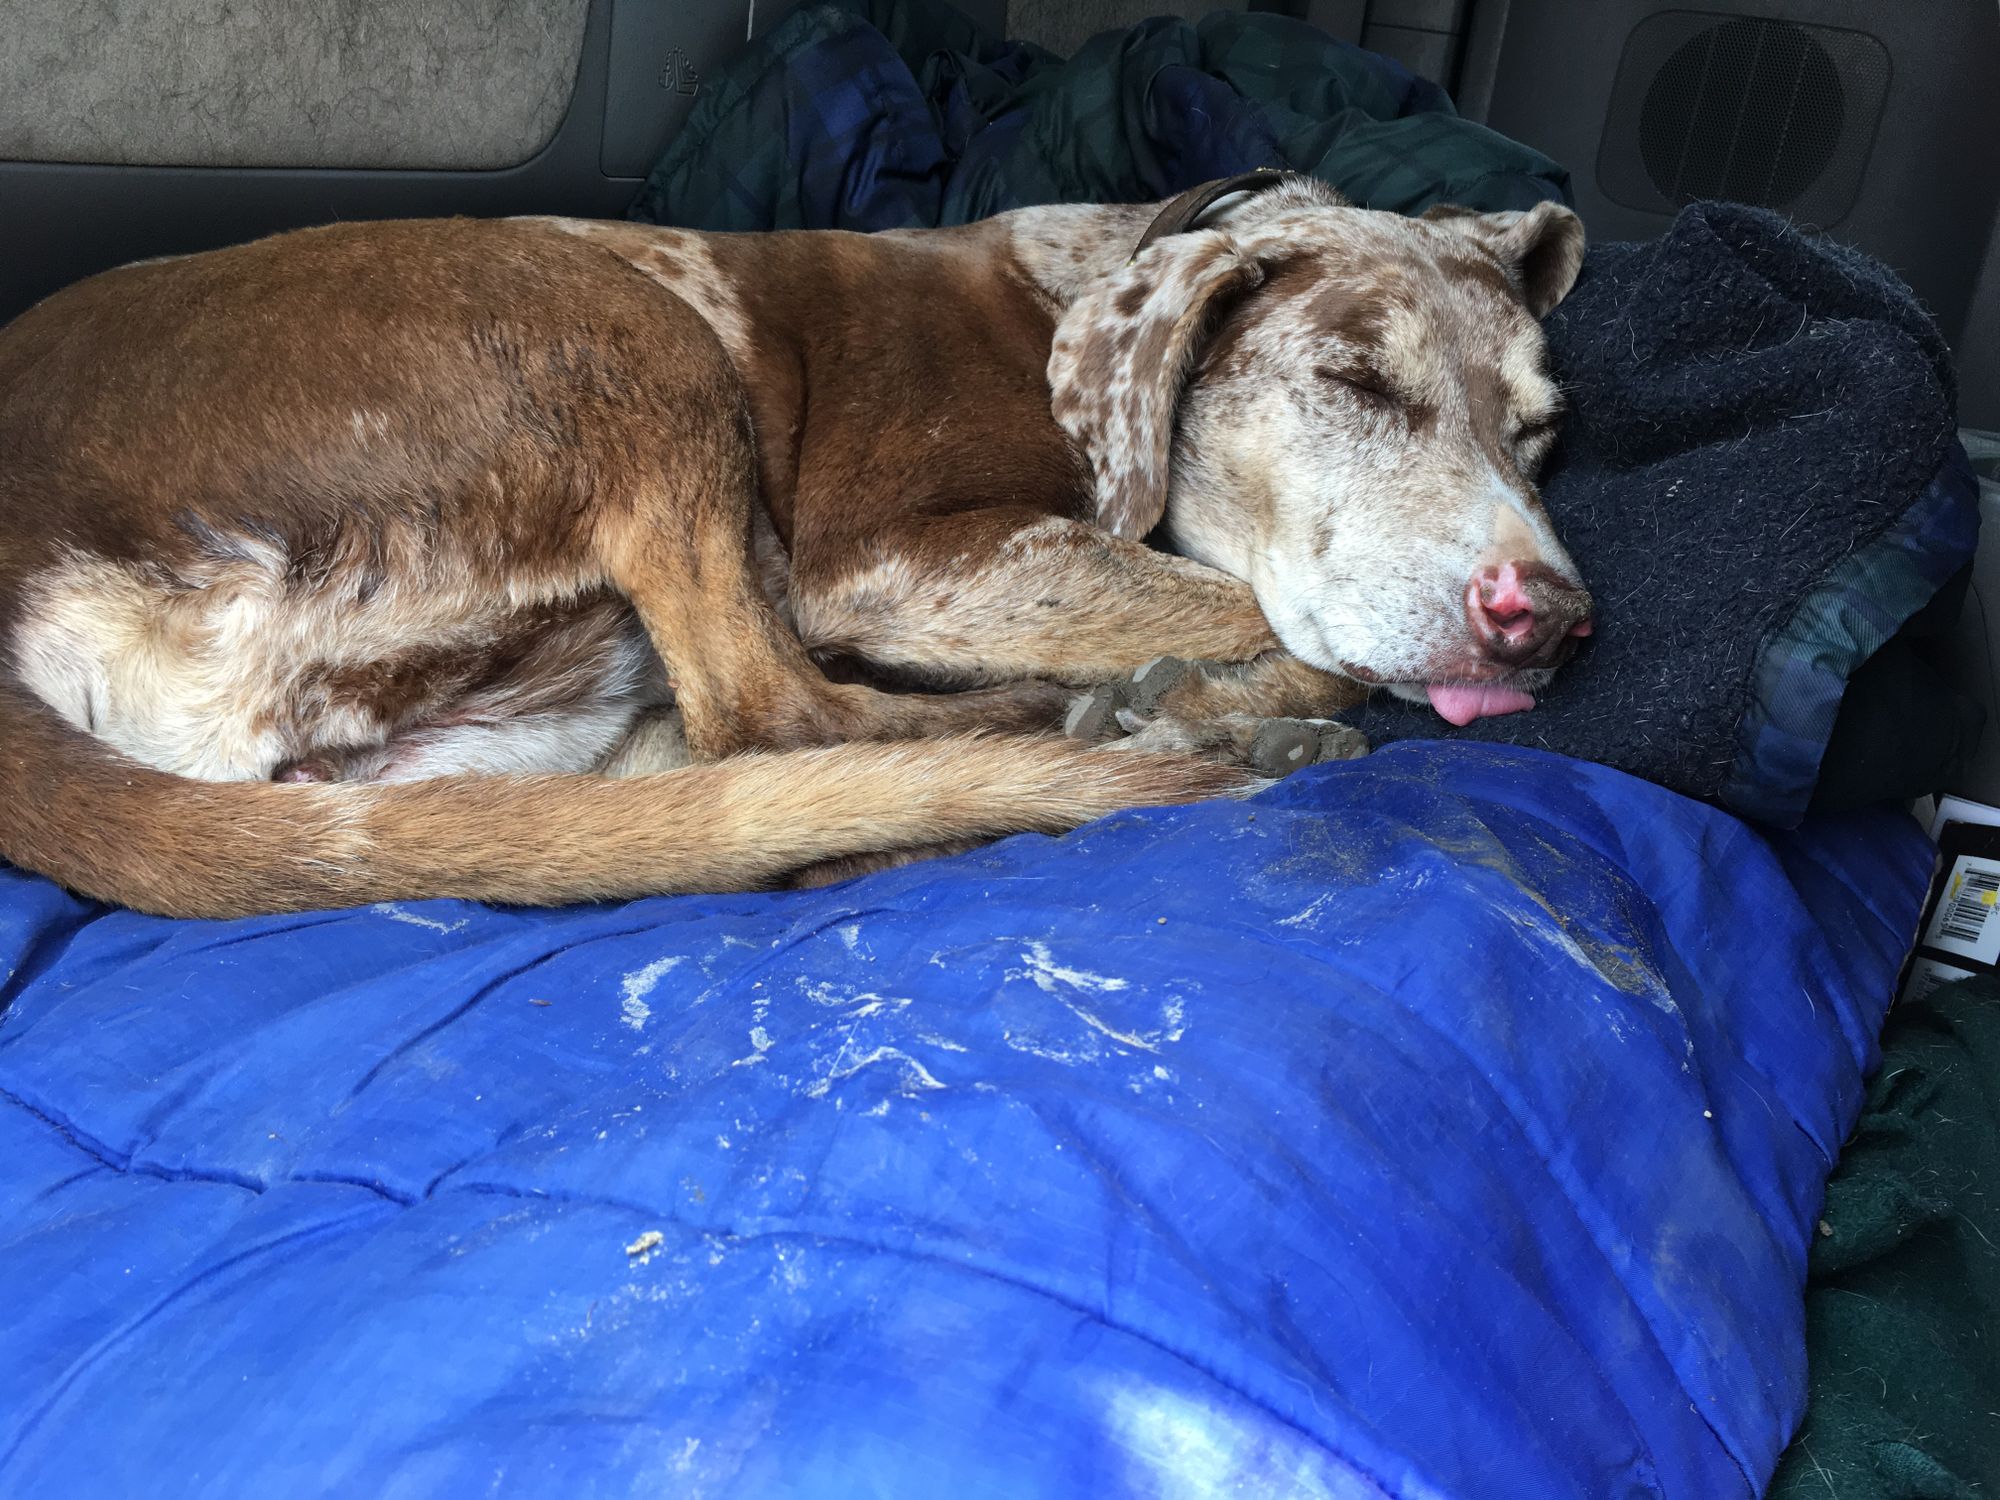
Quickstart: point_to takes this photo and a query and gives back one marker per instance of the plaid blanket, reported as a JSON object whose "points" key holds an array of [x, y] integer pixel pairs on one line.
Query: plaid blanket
{"points": [[883, 114]]}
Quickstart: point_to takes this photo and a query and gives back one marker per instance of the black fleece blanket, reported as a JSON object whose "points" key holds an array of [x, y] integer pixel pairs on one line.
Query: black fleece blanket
{"points": [[1760, 481]]}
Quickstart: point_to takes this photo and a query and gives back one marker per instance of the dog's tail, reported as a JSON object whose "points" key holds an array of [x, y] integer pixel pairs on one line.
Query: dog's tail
{"points": [[77, 811]]}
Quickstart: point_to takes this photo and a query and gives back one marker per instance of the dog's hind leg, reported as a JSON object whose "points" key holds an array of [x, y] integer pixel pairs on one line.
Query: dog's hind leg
{"points": [[560, 691], [675, 537]]}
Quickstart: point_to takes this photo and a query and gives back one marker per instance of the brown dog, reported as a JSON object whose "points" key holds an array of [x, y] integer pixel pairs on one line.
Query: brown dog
{"points": [[378, 507]]}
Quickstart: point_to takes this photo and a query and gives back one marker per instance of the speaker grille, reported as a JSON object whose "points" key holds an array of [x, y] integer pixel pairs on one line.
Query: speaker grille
{"points": [[1747, 108]]}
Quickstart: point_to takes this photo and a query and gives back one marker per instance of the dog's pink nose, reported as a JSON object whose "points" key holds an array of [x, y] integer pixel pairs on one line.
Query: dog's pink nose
{"points": [[1501, 607], [1523, 614]]}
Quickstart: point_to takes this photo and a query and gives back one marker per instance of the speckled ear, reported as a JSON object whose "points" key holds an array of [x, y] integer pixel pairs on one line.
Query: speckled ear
{"points": [[1541, 249], [1121, 357]]}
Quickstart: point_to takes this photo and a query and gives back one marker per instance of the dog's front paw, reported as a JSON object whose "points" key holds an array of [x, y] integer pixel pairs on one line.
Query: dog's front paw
{"points": [[1270, 747], [1282, 746], [1093, 716], [1097, 714]]}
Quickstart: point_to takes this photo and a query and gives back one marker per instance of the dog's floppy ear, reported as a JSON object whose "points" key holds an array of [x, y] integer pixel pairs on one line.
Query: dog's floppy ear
{"points": [[1122, 352], [1121, 355], [1541, 248]]}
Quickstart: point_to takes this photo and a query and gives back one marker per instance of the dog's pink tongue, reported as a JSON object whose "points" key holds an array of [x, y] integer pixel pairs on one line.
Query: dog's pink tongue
{"points": [[1462, 702]]}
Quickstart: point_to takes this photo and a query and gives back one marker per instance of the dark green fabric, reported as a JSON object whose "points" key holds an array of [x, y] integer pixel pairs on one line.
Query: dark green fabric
{"points": [[1334, 111], [1904, 730], [1903, 1295], [881, 114]]}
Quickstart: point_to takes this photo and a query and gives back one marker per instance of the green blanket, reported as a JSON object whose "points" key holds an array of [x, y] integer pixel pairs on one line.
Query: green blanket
{"points": [[1903, 1297], [885, 114]]}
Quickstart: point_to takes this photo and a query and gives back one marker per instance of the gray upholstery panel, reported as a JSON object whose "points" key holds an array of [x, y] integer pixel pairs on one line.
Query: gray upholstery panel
{"points": [[465, 84]]}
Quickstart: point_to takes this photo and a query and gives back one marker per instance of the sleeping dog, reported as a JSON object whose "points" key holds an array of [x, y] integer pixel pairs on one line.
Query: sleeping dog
{"points": [[333, 566]]}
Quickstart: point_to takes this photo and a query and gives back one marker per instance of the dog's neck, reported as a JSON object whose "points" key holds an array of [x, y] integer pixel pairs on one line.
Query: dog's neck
{"points": [[1063, 248], [799, 312]]}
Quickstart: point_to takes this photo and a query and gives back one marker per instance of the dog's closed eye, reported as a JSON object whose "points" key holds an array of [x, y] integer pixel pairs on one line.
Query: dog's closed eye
{"points": [[1359, 380]]}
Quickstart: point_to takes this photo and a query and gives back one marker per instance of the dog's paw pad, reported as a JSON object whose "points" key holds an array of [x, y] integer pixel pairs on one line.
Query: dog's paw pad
{"points": [[1282, 746], [1338, 741], [1144, 689], [1091, 714]]}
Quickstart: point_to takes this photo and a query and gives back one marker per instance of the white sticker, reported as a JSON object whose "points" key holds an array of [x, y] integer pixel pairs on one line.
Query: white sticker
{"points": [[1962, 810], [1964, 922], [1928, 975]]}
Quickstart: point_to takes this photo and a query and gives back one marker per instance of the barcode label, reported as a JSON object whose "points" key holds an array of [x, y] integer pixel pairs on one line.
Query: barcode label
{"points": [[1971, 907], [1964, 923]]}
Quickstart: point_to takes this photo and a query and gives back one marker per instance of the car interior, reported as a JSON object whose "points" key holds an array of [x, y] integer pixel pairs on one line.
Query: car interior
{"points": [[1601, 1100]]}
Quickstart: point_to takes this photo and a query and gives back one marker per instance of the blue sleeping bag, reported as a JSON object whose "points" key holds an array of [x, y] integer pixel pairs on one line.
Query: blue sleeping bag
{"points": [[1448, 1123]]}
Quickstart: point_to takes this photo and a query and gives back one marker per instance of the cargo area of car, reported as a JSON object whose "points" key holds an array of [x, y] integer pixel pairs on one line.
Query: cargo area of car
{"points": [[1488, 1116]]}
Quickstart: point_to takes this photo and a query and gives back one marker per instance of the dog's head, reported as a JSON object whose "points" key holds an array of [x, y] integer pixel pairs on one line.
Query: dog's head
{"points": [[1347, 409]]}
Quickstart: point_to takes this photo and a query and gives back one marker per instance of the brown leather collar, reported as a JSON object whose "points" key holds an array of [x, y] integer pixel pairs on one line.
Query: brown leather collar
{"points": [[1181, 213]]}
